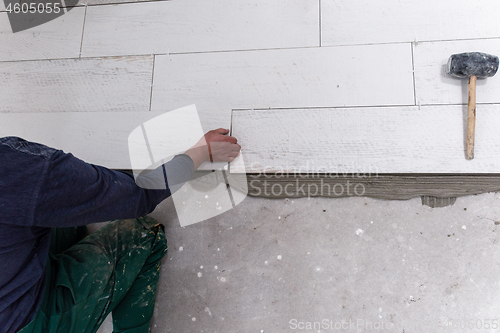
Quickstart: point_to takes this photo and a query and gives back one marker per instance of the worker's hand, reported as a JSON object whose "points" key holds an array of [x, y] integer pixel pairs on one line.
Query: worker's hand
{"points": [[222, 148], [214, 146]]}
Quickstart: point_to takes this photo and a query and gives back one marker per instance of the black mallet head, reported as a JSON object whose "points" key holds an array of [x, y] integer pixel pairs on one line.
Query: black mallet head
{"points": [[469, 64]]}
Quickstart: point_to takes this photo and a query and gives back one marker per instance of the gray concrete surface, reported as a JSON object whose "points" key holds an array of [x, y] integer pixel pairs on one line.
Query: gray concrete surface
{"points": [[269, 265]]}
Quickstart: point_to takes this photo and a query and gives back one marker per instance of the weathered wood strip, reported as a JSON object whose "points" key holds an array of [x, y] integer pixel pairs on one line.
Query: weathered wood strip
{"points": [[85, 85], [367, 21], [376, 140], [59, 38], [96, 137], [435, 86], [313, 77], [199, 26], [99, 138]]}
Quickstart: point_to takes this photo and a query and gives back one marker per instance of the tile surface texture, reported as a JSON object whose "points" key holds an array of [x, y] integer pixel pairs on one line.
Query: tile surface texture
{"points": [[384, 98]]}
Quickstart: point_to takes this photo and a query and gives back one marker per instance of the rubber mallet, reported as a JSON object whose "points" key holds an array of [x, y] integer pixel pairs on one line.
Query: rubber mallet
{"points": [[473, 65]]}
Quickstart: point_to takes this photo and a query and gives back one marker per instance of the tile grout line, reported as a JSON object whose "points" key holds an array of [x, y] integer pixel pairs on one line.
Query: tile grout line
{"points": [[83, 31], [63, 2], [413, 70], [320, 28], [152, 82], [391, 106], [290, 108], [256, 50], [169, 53]]}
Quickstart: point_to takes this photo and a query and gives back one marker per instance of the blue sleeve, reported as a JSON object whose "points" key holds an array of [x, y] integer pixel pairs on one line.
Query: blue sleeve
{"points": [[76, 193]]}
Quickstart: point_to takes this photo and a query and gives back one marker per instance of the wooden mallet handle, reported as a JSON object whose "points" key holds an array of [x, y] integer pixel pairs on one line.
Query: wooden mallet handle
{"points": [[471, 114]]}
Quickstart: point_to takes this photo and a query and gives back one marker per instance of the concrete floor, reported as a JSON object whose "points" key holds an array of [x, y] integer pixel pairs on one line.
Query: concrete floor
{"points": [[277, 265]]}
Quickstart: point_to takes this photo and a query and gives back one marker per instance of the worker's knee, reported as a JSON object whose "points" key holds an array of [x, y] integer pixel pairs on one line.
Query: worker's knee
{"points": [[150, 223], [141, 235], [144, 226], [159, 248], [156, 230]]}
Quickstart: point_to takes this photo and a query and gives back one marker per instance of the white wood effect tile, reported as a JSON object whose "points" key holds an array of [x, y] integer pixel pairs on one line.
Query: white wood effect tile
{"points": [[370, 140], [366, 21], [434, 86], [199, 25], [87, 85], [312, 77], [96, 137], [59, 38]]}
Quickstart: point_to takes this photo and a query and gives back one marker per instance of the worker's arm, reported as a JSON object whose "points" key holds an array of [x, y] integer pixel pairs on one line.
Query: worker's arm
{"points": [[214, 146], [77, 193]]}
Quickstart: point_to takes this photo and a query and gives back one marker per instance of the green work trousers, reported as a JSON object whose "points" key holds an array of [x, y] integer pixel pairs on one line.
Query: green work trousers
{"points": [[115, 269]]}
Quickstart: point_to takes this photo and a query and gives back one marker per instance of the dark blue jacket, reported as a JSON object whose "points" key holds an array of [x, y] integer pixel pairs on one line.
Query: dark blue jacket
{"points": [[42, 188]]}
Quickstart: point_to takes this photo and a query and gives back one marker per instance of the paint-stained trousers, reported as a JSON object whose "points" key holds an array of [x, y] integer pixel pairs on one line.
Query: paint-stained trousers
{"points": [[115, 269]]}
